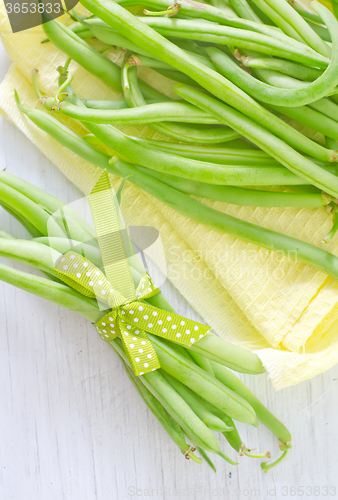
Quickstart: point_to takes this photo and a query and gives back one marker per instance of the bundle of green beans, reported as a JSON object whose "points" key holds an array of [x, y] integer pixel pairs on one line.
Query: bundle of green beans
{"points": [[194, 392], [242, 70]]}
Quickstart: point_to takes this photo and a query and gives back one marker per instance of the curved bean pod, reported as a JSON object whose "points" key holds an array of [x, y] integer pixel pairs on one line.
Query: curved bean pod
{"points": [[79, 50], [159, 47], [134, 98], [270, 421], [301, 27], [321, 87], [216, 15], [312, 118], [34, 213], [237, 444]]}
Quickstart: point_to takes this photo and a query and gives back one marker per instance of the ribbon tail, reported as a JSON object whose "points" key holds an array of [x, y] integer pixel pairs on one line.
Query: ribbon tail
{"points": [[140, 352]]}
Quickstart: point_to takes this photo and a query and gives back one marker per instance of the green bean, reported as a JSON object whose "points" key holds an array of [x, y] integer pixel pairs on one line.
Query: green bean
{"points": [[197, 405], [206, 457], [305, 13], [293, 248], [240, 196], [159, 47], [321, 30], [20, 196], [25, 207], [244, 10], [134, 98], [287, 67], [270, 421], [33, 193], [277, 19], [324, 105], [312, 118], [106, 34], [300, 26], [305, 94], [168, 423], [197, 432], [266, 141], [201, 361], [228, 354], [149, 113], [216, 15], [75, 225], [107, 103], [58, 293], [177, 76], [30, 228], [234, 153], [201, 382], [6, 235], [237, 444], [29, 252], [117, 139], [224, 35], [79, 50], [62, 245], [65, 136]]}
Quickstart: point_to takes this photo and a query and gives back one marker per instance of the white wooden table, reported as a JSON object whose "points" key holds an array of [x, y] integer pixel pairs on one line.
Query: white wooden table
{"points": [[72, 426]]}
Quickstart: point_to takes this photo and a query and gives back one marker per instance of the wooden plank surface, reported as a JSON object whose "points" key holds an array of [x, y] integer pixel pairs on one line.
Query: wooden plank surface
{"points": [[72, 427]]}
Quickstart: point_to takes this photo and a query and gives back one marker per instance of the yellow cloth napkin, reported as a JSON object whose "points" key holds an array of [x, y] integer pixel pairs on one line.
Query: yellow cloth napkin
{"points": [[285, 311]]}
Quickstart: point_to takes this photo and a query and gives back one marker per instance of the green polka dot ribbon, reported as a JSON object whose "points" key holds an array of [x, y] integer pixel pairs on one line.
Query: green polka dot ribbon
{"points": [[130, 317]]}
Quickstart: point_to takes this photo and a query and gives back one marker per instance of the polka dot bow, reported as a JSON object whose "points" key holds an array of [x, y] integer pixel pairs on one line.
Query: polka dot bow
{"points": [[131, 320], [130, 317]]}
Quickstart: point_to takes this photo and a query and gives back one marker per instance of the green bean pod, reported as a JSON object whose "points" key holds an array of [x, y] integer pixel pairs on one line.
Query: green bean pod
{"points": [[201, 382], [170, 111], [304, 252], [322, 86], [270, 421], [161, 48], [188, 133], [79, 50], [34, 213], [224, 35], [66, 136], [228, 354], [168, 423], [197, 405], [288, 157], [240, 196], [287, 67], [201, 361], [196, 431], [312, 118], [299, 25], [58, 293]]}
